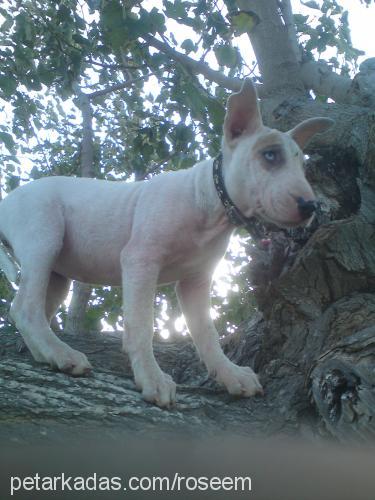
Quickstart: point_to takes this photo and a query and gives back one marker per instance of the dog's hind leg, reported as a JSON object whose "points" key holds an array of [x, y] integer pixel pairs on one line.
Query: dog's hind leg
{"points": [[58, 288], [36, 257], [29, 314]]}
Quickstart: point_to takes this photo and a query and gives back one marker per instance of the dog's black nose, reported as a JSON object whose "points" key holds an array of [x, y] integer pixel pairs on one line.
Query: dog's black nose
{"points": [[306, 208]]}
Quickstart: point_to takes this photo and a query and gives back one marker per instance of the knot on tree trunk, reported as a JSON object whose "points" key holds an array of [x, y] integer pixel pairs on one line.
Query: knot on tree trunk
{"points": [[343, 383]]}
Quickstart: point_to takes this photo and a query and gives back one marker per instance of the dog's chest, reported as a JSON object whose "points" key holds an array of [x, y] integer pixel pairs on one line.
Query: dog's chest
{"points": [[194, 253]]}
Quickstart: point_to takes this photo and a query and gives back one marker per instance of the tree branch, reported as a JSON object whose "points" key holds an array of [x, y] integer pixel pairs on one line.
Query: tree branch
{"points": [[287, 13], [113, 66], [319, 77], [118, 86], [316, 76], [195, 67], [274, 46]]}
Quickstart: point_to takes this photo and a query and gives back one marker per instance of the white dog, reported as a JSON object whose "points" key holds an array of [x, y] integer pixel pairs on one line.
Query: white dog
{"points": [[172, 228]]}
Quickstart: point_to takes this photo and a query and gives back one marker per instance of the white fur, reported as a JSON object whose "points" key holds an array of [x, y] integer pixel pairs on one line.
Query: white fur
{"points": [[172, 228]]}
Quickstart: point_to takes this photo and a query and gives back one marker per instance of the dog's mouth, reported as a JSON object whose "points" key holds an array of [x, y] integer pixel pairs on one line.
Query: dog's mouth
{"points": [[281, 223], [288, 211]]}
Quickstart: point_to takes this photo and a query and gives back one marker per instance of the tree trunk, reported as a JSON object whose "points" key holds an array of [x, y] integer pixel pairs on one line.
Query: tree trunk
{"points": [[275, 47], [315, 290], [75, 321], [81, 291], [315, 287]]}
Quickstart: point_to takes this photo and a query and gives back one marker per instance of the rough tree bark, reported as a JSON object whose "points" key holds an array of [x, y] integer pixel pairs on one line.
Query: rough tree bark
{"points": [[315, 288]]}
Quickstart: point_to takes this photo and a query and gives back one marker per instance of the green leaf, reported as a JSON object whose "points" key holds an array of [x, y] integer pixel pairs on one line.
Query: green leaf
{"points": [[8, 84], [8, 141], [157, 21], [176, 10], [188, 46], [35, 173], [226, 55], [12, 181], [46, 75], [7, 24], [80, 23], [182, 134], [216, 113], [14, 159], [244, 21], [299, 19], [216, 21], [25, 28], [195, 102], [311, 5], [32, 81], [81, 40], [64, 14], [94, 4], [162, 149], [112, 18]]}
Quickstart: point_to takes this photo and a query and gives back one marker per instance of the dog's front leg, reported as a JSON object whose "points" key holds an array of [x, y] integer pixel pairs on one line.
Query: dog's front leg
{"points": [[139, 276], [194, 298]]}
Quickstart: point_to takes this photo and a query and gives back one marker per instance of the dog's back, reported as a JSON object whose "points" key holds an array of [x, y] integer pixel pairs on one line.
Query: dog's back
{"points": [[68, 211]]}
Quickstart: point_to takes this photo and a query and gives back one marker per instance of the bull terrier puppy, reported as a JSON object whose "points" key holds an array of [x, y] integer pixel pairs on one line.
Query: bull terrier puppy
{"points": [[174, 227]]}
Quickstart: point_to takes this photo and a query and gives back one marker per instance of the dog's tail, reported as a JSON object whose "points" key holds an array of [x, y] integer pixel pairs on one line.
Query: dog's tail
{"points": [[8, 264]]}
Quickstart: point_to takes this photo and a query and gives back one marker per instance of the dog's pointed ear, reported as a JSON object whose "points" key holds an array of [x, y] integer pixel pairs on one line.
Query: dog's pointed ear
{"points": [[304, 131], [243, 114]]}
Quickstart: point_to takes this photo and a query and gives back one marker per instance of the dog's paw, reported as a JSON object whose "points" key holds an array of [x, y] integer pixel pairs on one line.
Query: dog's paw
{"points": [[157, 387], [239, 380], [70, 361]]}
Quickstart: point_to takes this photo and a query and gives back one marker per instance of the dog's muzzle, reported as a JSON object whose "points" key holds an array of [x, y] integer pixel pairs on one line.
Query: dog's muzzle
{"points": [[306, 208]]}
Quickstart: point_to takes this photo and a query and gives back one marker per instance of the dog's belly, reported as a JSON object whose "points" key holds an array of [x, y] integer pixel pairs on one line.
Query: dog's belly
{"points": [[93, 259], [104, 267], [109, 272], [88, 269]]}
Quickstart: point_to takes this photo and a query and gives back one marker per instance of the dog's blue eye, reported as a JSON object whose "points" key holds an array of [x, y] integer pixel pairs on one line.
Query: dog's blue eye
{"points": [[270, 155], [273, 156]]}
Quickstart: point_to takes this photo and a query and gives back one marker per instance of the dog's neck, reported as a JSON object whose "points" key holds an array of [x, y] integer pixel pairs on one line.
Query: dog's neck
{"points": [[234, 214], [213, 199], [211, 209]]}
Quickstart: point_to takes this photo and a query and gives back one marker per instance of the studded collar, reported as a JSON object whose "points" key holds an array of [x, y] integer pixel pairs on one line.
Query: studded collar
{"points": [[234, 214]]}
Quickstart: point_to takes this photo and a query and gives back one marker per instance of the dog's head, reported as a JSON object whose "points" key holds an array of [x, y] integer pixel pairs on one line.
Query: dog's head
{"points": [[263, 167]]}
